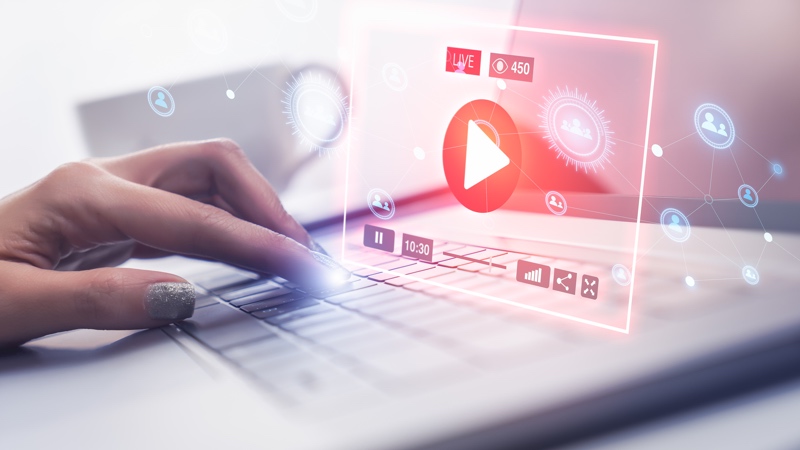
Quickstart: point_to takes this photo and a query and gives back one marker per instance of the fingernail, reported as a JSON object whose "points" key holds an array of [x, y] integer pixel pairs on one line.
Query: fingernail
{"points": [[170, 301], [318, 248], [340, 274]]}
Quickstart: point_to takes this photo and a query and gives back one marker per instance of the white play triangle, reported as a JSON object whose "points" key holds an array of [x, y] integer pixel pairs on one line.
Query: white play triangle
{"points": [[484, 157]]}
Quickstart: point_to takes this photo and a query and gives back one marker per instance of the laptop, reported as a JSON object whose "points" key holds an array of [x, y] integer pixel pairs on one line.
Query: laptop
{"points": [[530, 246]]}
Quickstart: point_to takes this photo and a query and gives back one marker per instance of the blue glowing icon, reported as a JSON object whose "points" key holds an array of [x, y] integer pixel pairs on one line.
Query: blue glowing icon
{"points": [[714, 126], [750, 275], [161, 101], [748, 195], [675, 225], [777, 169]]}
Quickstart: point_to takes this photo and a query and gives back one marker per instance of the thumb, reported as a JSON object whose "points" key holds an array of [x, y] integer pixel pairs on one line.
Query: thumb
{"points": [[47, 301]]}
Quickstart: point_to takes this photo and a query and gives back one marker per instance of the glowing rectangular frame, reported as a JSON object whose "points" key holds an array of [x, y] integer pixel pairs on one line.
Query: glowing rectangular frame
{"points": [[625, 330]]}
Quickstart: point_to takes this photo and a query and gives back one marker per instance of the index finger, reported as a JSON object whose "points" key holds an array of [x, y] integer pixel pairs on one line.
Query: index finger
{"points": [[174, 223], [214, 167]]}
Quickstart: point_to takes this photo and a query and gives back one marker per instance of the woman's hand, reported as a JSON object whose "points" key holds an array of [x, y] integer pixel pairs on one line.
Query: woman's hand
{"points": [[201, 199]]}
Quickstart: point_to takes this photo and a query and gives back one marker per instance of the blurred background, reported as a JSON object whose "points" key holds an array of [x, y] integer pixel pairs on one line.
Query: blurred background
{"points": [[63, 61]]}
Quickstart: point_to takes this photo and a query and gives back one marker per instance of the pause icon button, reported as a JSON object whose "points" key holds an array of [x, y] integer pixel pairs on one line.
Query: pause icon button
{"points": [[379, 238]]}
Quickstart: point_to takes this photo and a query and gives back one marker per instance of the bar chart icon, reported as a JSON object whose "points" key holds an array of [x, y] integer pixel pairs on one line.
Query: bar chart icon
{"points": [[532, 273]]}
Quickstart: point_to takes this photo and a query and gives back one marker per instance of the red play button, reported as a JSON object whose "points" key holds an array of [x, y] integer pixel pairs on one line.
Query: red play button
{"points": [[482, 156]]}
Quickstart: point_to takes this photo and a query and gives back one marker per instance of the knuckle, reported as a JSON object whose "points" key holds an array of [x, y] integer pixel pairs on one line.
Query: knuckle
{"points": [[209, 218], [79, 173], [92, 305], [227, 149]]}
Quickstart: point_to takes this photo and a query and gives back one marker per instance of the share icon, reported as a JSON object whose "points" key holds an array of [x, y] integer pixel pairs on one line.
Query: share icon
{"points": [[565, 281]]}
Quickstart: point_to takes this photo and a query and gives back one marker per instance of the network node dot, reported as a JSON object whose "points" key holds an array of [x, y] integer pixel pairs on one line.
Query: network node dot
{"points": [[690, 281], [657, 150], [777, 169], [231, 95], [768, 236], [419, 153], [501, 84], [708, 199]]}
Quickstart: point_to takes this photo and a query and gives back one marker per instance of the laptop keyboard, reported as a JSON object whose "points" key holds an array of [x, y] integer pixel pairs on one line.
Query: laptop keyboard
{"points": [[378, 333]]}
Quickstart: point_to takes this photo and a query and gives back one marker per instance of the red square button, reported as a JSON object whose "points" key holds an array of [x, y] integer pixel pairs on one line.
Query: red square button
{"points": [[463, 60]]}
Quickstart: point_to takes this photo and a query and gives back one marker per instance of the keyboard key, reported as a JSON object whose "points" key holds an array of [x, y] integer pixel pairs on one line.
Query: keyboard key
{"points": [[408, 270], [220, 326], [353, 285], [375, 299], [361, 293], [225, 279], [323, 331], [414, 301], [273, 302], [331, 315], [204, 300], [239, 302], [250, 289], [257, 352], [432, 272], [294, 316], [285, 308], [392, 266]]}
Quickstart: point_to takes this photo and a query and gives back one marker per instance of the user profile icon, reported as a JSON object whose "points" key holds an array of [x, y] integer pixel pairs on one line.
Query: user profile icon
{"points": [[207, 31], [556, 203], [381, 204], [714, 126], [675, 225], [621, 275], [161, 101], [394, 76], [748, 195], [750, 275]]}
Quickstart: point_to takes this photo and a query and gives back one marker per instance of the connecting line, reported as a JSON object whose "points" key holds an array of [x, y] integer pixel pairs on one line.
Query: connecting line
{"points": [[602, 213], [762, 254], [737, 166], [711, 176], [696, 209], [765, 183], [182, 60], [467, 258], [716, 250], [753, 149], [627, 142], [526, 176], [685, 137], [727, 233], [267, 78], [787, 251], [408, 118], [759, 220], [403, 177], [526, 98], [716, 279], [635, 189], [684, 176], [651, 248], [226, 80]]}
